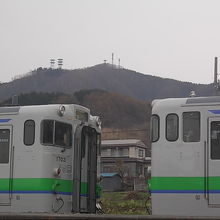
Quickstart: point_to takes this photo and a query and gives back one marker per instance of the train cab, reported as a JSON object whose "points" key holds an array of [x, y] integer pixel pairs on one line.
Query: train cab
{"points": [[185, 175], [49, 158]]}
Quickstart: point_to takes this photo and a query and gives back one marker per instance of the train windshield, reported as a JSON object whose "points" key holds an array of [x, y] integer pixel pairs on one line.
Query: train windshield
{"points": [[56, 133]]}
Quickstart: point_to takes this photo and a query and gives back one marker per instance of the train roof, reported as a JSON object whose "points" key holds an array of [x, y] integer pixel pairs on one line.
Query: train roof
{"points": [[43, 109], [203, 100], [191, 101]]}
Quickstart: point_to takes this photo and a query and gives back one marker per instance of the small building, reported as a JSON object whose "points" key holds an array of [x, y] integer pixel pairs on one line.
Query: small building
{"points": [[111, 182], [126, 157]]}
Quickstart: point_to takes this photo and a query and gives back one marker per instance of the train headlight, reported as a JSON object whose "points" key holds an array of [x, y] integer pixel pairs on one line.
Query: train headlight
{"points": [[61, 110], [98, 121], [57, 171]]}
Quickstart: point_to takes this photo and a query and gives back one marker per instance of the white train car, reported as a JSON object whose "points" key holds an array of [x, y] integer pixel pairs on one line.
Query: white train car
{"points": [[185, 175], [48, 159]]}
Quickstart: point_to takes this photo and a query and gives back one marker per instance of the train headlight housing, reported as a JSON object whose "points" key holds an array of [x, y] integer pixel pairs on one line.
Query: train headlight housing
{"points": [[98, 121], [61, 110], [57, 171]]}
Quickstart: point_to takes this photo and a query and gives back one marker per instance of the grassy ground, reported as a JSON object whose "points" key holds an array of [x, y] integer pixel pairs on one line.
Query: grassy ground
{"points": [[131, 203]]}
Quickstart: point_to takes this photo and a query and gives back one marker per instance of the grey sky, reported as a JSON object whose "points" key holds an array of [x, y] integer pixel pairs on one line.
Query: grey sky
{"points": [[168, 38]]}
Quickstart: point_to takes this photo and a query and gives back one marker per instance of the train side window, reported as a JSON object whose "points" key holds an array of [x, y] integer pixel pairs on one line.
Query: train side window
{"points": [[172, 127], [155, 124], [4, 145], [215, 140], [63, 134], [29, 132], [191, 126], [47, 132]]}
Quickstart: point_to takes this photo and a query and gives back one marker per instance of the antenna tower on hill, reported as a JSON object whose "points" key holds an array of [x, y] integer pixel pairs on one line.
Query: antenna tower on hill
{"points": [[60, 63], [119, 63], [52, 63]]}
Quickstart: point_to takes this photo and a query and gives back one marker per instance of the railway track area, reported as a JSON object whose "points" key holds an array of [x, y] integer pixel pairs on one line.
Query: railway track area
{"points": [[30, 216]]}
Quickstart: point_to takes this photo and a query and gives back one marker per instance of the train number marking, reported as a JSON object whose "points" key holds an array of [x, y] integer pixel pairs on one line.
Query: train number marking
{"points": [[61, 159]]}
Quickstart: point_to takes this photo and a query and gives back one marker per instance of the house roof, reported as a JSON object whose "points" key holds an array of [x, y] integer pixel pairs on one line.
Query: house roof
{"points": [[113, 160], [124, 142], [109, 174]]}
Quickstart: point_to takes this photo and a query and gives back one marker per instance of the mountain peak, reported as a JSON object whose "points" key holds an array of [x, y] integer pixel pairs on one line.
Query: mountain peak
{"points": [[105, 66], [102, 76]]}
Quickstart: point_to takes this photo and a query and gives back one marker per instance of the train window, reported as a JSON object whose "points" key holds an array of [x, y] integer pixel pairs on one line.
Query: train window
{"points": [[56, 133], [63, 134], [29, 132], [48, 132], [172, 127], [4, 145], [191, 126], [215, 140], [155, 123]]}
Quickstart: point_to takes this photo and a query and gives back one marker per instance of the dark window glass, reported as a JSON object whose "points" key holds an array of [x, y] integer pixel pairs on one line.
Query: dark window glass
{"points": [[99, 144], [29, 132], [63, 134], [215, 140], [154, 128], [4, 145], [113, 152], [123, 152], [140, 153], [191, 126], [48, 130], [139, 169], [172, 127]]}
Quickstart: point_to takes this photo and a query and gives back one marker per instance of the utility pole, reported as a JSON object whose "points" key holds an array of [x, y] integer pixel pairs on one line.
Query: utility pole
{"points": [[216, 71], [216, 81]]}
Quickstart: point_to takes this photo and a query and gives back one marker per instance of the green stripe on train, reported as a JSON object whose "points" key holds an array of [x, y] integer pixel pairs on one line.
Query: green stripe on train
{"points": [[184, 183], [41, 184]]}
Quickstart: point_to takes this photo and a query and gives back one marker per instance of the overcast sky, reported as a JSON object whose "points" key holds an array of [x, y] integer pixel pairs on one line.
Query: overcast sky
{"points": [[175, 39]]}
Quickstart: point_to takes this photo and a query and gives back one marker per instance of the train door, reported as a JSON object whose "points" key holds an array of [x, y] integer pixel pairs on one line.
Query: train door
{"points": [[85, 170], [5, 165], [213, 162]]}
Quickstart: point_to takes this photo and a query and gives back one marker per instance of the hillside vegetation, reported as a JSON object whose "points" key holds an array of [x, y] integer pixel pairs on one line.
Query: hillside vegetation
{"points": [[104, 77]]}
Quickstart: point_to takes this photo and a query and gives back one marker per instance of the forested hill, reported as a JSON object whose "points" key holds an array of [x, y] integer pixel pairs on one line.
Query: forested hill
{"points": [[105, 77], [116, 111]]}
